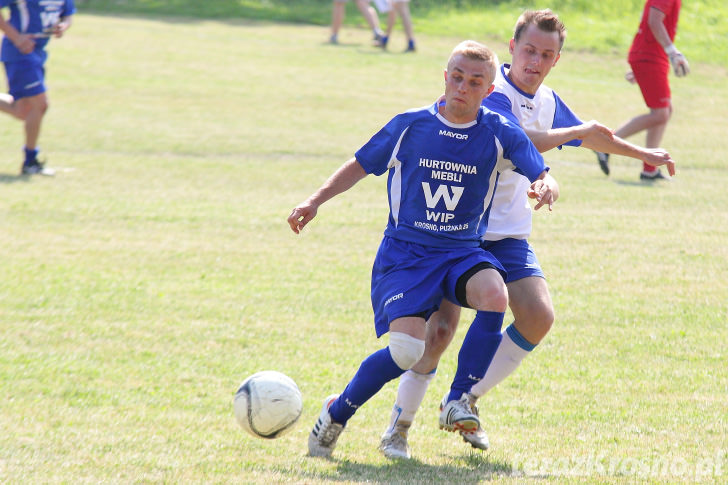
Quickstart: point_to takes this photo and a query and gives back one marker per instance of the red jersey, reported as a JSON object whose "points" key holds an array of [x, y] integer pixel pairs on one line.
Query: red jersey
{"points": [[644, 46]]}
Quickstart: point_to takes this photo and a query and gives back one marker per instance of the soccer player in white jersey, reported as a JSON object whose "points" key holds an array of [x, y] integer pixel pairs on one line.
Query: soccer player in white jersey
{"points": [[442, 163], [27, 32], [521, 96]]}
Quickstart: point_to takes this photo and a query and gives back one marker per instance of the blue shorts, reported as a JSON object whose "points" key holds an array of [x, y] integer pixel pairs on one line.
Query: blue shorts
{"points": [[409, 279], [26, 78], [516, 256]]}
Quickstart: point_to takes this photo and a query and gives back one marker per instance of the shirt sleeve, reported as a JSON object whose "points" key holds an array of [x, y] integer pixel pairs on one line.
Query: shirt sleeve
{"points": [[501, 104], [69, 8], [519, 149], [565, 118], [376, 154]]}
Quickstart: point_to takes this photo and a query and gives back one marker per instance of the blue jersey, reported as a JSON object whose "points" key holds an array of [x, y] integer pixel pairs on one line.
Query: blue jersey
{"points": [[33, 17], [442, 175]]}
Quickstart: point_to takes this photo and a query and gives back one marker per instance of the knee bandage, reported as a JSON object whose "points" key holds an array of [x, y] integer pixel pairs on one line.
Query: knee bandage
{"points": [[405, 350]]}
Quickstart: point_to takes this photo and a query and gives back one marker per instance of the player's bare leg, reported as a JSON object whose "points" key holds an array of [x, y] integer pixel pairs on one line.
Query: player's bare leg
{"points": [[403, 11], [30, 110], [370, 15], [34, 108], [337, 18], [654, 123]]}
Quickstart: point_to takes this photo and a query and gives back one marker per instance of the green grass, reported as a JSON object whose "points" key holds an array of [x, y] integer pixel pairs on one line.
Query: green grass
{"points": [[601, 27], [156, 271]]}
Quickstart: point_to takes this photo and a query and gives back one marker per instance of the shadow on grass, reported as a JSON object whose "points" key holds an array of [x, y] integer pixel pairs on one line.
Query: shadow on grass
{"points": [[8, 178], [643, 183], [474, 467]]}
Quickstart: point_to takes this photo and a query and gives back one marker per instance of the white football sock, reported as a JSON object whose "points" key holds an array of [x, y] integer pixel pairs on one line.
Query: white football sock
{"points": [[410, 393], [511, 352]]}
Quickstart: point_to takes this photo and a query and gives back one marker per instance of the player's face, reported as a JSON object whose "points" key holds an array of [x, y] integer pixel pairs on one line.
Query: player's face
{"points": [[467, 83], [533, 56]]}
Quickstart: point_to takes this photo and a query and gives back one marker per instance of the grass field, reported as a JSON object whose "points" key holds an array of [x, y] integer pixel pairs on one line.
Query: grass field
{"points": [[605, 27], [156, 271]]}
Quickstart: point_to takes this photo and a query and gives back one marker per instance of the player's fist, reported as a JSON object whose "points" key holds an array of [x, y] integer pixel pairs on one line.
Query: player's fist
{"points": [[679, 63]]}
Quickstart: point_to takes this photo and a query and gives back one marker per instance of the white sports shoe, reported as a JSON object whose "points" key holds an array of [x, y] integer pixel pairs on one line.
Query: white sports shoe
{"points": [[323, 436], [394, 443], [458, 416], [478, 438]]}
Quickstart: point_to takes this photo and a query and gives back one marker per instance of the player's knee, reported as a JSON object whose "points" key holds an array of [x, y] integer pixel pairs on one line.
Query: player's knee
{"points": [[661, 116], [543, 318], [406, 350], [536, 322], [492, 297], [439, 338]]}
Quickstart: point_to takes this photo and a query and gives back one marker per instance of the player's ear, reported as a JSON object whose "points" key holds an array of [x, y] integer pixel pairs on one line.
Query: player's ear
{"points": [[444, 73], [511, 46], [557, 59]]}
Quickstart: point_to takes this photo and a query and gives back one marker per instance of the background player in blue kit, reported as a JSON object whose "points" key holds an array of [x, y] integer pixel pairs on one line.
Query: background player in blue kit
{"points": [[442, 164], [27, 32], [520, 95]]}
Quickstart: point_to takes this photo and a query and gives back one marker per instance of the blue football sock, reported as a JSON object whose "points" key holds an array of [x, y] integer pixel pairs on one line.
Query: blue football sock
{"points": [[30, 155], [477, 351], [376, 370]]}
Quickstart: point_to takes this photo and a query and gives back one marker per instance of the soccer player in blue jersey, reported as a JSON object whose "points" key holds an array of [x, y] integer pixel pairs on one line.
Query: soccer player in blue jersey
{"points": [[442, 164], [30, 26], [521, 96]]}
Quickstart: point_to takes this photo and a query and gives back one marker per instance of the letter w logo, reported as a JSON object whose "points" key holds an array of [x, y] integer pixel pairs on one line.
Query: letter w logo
{"points": [[442, 192]]}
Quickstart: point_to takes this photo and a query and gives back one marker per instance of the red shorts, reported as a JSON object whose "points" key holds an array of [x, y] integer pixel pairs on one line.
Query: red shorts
{"points": [[652, 80]]}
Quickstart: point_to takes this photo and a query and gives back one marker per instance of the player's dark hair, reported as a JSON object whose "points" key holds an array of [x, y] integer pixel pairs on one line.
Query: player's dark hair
{"points": [[545, 20]]}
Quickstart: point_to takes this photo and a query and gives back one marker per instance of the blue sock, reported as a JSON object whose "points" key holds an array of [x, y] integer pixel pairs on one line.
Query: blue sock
{"points": [[30, 155], [376, 370], [479, 346]]}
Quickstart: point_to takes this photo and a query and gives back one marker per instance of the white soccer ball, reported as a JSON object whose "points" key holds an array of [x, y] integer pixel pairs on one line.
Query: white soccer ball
{"points": [[268, 404]]}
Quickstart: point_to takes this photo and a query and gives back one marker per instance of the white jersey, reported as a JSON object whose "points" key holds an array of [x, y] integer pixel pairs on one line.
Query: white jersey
{"points": [[510, 215]]}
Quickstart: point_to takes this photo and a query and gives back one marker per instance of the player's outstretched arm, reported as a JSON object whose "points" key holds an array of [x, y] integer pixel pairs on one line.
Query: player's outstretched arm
{"points": [[618, 146], [545, 190], [656, 19], [342, 180], [546, 140]]}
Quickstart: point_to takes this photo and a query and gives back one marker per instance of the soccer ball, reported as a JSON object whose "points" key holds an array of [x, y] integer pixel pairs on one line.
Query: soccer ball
{"points": [[268, 404]]}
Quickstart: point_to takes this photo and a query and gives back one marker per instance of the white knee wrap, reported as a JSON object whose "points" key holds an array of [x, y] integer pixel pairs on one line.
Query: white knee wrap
{"points": [[405, 350]]}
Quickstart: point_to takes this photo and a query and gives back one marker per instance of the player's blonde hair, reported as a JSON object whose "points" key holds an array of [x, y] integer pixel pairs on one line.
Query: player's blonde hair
{"points": [[545, 20], [476, 51]]}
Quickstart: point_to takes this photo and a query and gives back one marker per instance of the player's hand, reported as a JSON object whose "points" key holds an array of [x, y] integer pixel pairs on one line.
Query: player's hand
{"points": [[301, 215], [657, 157], [629, 76], [590, 127], [679, 64], [58, 29], [545, 191], [25, 43]]}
